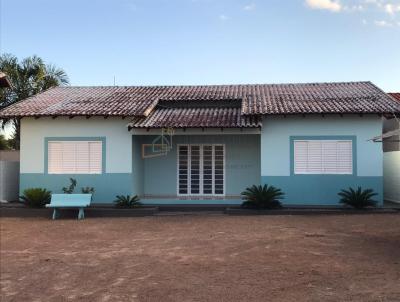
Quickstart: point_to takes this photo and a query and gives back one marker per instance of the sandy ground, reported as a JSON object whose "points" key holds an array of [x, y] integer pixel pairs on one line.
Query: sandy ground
{"points": [[202, 258]]}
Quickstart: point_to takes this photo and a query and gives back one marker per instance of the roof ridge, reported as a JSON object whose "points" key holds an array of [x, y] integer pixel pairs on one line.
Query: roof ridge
{"points": [[215, 85]]}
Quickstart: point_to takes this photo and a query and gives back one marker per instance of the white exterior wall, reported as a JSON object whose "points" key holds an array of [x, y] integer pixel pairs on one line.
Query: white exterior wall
{"points": [[118, 140], [276, 132], [391, 176]]}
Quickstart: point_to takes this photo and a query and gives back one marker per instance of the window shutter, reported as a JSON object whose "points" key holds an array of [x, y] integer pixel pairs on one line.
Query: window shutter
{"points": [[300, 157], [323, 157], [68, 157], [95, 162], [55, 157], [75, 157], [314, 158], [345, 153]]}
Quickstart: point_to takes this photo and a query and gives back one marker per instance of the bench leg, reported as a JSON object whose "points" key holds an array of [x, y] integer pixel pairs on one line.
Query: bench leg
{"points": [[55, 214], [81, 213]]}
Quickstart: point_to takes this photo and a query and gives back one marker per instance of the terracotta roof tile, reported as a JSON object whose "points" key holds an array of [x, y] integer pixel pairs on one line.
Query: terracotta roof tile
{"points": [[196, 118], [395, 95], [352, 97]]}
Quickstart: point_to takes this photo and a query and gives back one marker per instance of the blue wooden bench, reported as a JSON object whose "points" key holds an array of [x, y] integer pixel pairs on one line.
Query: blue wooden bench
{"points": [[69, 201]]}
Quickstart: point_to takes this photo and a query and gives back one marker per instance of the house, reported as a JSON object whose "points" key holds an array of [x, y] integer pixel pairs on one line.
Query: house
{"points": [[4, 82], [391, 126], [205, 144], [391, 155], [9, 175]]}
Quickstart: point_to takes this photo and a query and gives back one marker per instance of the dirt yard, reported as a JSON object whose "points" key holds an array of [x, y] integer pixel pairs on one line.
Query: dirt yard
{"points": [[202, 258]]}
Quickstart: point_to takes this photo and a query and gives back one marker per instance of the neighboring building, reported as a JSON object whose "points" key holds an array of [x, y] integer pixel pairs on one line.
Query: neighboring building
{"points": [[391, 155], [4, 82], [311, 140], [391, 125], [9, 175]]}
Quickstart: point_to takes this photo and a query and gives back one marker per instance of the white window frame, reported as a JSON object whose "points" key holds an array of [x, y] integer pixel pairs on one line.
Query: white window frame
{"points": [[49, 171], [189, 194], [322, 172]]}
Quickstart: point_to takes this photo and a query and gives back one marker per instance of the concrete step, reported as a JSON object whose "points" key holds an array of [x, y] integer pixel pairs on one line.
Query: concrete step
{"points": [[192, 208]]}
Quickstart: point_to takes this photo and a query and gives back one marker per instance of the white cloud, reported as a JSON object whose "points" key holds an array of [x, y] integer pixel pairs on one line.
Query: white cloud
{"points": [[391, 8], [330, 5], [353, 8], [250, 6], [382, 23], [223, 17]]}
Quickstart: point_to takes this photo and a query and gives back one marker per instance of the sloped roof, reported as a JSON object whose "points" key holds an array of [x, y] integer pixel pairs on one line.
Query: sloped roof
{"points": [[395, 95], [196, 118], [257, 99]]}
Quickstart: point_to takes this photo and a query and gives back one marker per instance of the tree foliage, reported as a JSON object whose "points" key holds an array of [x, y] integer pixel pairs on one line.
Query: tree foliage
{"points": [[4, 144], [28, 77]]}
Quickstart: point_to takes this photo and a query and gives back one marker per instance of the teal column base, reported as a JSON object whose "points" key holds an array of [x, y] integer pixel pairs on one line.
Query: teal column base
{"points": [[81, 214], [55, 214]]}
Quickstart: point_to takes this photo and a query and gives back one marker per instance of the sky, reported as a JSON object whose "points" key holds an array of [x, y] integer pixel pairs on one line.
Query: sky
{"points": [[185, 42]]}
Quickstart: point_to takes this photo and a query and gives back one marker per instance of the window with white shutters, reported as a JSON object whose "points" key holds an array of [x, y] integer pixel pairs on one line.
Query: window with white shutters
{"points": [[201, 169], [75, 157], [323, 157]]}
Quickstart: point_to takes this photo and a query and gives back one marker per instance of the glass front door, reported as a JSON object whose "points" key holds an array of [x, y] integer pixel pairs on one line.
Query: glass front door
{"points": [[201, 170]]}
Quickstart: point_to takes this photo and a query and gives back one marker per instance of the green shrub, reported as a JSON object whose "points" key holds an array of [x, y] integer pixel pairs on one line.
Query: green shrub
{"points": [[36, 197], [262, 197], [88, 190], [127, 201], [359, 198], [71, 188]]}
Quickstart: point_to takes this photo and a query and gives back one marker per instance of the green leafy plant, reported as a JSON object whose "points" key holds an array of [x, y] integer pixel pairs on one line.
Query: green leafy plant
{"points": [[88, 190], [4, 144], [127, 201], [358, 198], [70, 189], [262, 197], [28, 77], [36, 197]]}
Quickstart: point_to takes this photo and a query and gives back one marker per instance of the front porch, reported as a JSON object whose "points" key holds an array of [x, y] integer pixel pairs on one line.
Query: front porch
{"points": [[193, 172]]}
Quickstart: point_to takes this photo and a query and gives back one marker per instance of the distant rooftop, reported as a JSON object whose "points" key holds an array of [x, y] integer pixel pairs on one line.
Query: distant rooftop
{"points": [[4, 82], [395, 95]]}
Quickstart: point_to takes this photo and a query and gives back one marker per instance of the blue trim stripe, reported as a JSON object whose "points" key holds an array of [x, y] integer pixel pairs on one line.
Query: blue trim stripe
{"points": [[79, 138], [322, 189], [106, 185]]}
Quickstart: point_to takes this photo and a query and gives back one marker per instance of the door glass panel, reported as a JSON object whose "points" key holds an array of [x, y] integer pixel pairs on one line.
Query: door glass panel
{"points": [[183, 170], [219, 169], [207, 169], [195, 169], [201, 169]]}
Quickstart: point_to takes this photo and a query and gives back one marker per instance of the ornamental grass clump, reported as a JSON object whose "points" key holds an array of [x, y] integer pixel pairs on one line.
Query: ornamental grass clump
{"points": [[262, 197], [127, 201], [36, 197], [359, 198]]}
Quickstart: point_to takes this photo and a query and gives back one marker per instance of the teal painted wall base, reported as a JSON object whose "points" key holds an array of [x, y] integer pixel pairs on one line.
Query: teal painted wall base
{"points": [[106, 185], [321, 189]]}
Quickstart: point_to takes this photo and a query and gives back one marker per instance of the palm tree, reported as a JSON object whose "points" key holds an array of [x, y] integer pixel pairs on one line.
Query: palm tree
{"points": [[3, 143], [28, 77]]}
